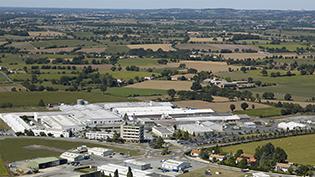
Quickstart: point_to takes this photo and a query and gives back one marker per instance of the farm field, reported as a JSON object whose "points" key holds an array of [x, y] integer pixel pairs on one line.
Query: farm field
{"points": [[115, 49], [130, 74], [154, 47], [45, 34], [300, 149], [218, 106], [132, 92], [215, 67], [140, 62], [290, 46], [23, 98], [261, 112], [300, 87], [13, 149], [242, 56], [63, 43], [93, 50], [163, 85], [214, 46], [223, 172]]}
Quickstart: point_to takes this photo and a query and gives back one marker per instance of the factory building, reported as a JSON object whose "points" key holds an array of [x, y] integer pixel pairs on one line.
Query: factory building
{"points": [[109, 169], [174, 165], [100, 151], [194, 129], [98, 135], [132, 132], [73, 156], [290, 125], [134, 164], [162, 132]]}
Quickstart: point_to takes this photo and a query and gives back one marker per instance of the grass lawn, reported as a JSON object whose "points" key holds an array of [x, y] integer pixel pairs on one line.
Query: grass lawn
{"points": [[264, 112], [13, 149], [33, 98], [300, 149], [3, 170], [126, 92], [224, 173], [300, 87]]}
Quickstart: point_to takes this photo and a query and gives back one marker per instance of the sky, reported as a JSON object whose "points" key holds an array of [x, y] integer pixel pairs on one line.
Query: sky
{"points": [[157, 4]]}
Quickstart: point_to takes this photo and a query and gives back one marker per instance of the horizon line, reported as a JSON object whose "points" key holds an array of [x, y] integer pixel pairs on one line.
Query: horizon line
{"points": [[182, 8]]}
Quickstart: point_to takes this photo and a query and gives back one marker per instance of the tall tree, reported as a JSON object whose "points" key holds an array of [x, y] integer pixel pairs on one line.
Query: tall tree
{"points": [[129, 174], [116, 174]]}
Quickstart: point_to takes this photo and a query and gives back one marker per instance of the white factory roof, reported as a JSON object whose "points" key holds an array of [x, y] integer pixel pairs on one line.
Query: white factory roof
{"points": [[159, 110], [195, 128], [88, 112], [135, 104], [15, 122], [210, 118], [290, 125], [172, 162], [60, 121], [122, 170]]}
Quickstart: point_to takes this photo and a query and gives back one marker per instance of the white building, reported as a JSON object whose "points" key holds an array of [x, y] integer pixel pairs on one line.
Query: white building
{"points": [[194, 129], [290, 125], [135, 164], [132, 132], [100, 151], [98, 135], [174, 165], [251, 125], [162, 132], [109, 169], [72, 156], [214, 126]]}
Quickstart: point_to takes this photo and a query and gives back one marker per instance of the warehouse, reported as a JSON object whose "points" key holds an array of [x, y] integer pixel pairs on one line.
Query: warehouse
{"points": [[174, 165], [134, 164], [109, 169], [290, 125], [194, 129], [162, 132], [33, 165], [100, 151], [72, 156]]}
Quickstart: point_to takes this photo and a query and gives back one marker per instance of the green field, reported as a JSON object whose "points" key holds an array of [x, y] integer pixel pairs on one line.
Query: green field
{"points": [[140, 62], [300, 149], [130, 74], [62, 43], [32, 98], [3, 170], [115, 49], [290, 46], [264, 112], [126, 92], [13, 149], [300, 87]]}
